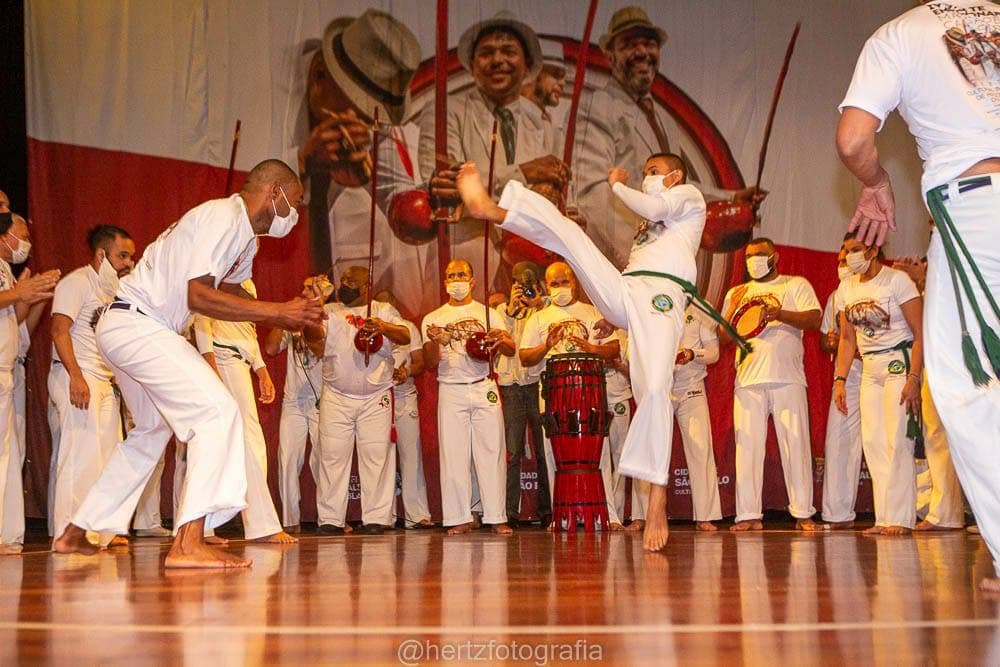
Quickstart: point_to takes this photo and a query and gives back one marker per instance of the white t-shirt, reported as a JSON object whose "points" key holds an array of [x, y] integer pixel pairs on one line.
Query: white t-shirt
{"points": [[344, 369], [79, 297], [617, 384], [509, 369], [577, 319], [214, 238], [401, 354], [699, 335], [456, 367], [303, 371], [670, 234], [874, 308], [938, 64], [777, 350], [227, 339], [8, 322], [834, 305]]}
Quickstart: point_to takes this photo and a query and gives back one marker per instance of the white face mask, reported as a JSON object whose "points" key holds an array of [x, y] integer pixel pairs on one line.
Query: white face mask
{"points": [[857, 262], [459, 289], [758, 266], [561, 296], [844, 272], [107, 277], [653, 184], [20, 252], [280, 226]]}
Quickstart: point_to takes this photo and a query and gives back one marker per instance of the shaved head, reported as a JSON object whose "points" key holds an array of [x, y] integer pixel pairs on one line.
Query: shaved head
{"points": [[269, 172]]}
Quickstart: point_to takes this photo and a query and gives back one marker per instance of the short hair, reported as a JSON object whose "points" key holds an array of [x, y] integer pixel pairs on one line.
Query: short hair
{"points": [[472, 273], [675, 161], [762, 239], [504, 30], [6, 222], [102, 235], [270, 171]]}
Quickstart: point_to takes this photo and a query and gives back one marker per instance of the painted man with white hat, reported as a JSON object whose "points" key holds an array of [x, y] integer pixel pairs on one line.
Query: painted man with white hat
{"points": [[501, 53]]}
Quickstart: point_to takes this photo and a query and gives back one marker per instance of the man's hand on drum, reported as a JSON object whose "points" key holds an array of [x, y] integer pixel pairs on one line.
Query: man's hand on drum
{"points": [[555, 335]]}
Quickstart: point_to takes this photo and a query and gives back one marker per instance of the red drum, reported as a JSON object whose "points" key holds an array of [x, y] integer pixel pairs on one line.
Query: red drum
{"points": [[576, 421]]}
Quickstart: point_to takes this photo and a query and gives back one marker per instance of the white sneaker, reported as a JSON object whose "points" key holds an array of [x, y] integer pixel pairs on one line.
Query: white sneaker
{"points": [[158, 531]]}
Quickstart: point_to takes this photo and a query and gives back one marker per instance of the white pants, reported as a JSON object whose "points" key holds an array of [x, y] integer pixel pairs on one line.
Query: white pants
{"points": [[168, 387], [147, 514], [651, 308], [259, 518], [411, 460], [971, 414], [299, 420], [691, 410], [11, 489], [606, 466], [788, 405], [888, 452], [945, 507], [87, 440], [53, 419], [20, 408], [471, 440], [344, 421], [842, 455], [621, 415]]}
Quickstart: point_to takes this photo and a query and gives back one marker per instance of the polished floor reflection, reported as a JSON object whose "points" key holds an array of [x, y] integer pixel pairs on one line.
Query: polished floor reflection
{"points": [[776, 598]]}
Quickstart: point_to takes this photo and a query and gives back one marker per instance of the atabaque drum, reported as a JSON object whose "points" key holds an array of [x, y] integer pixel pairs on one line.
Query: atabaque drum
{"points": [[576, 421]]}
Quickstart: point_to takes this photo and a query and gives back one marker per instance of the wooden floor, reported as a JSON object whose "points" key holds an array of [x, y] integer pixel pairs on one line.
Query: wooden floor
{"points": [[776, 598]]}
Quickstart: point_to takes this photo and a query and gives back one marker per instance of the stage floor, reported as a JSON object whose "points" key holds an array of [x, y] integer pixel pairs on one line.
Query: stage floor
{"points": [[776, 598]]}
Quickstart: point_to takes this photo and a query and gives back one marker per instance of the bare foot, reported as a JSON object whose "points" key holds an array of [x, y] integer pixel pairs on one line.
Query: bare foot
{"points": [[74, 541], [706, 526], [10, 549], [840, 525], [615, 526], [926, 525], [216, 541], [746, 526], [461, 529], [874, 530], [990, 584], [636, 526], [190, 551], [810, 526], [654, 537], [277, 538], [896, 530], [477, 203], [502, 529]]}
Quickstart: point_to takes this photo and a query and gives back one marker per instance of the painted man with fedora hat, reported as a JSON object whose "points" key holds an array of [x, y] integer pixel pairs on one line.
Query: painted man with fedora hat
{"points": [[362, 64], [501, 53]]}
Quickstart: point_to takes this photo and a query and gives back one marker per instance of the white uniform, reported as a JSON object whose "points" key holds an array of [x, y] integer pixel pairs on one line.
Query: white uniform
{"points": [[11, 493], [842, 455], [691, 409], [470, 420], [577, 319], [20, 388], [470, 124], [407, 418], [89, 436], [299, 420], [237, 352], [166, 383], [620, 403], [355, 406], [652, 307], [945, 504], [956, 124], [771, 380], [874, 309]]}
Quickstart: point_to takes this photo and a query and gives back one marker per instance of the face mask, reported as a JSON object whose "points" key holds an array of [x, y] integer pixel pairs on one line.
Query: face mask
{"points": [[857, 262], [280, 226], [758, 266], [458, 290], [844, 272], [107, 277], [20, 252], [561, 296], [347, 294]]}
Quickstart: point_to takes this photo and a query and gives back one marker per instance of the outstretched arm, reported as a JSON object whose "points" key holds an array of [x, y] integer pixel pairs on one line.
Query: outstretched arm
{"points": [[660, 207]]}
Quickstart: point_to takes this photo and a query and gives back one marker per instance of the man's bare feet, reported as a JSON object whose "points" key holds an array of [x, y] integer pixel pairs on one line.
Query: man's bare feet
{"points": [[636, 526], [461, 529], [654, 536], [615, 526], [706, 526], [809, 526], [896, 531], [874, 530], [216, 541], [190, 551], [840, 525], [11, 549], [477, 202], [990, 584], [747, 526], [74, 541], [926, 525], [502, 529], [278, 538]]}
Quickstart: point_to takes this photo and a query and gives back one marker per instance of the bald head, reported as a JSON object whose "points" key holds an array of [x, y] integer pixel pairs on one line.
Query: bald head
{"points": [[268, 173], [559, 277], [458, 266]]}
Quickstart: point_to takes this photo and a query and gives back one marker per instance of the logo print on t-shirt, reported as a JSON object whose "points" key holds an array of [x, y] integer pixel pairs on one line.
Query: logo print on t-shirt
{"points": [[868, 316], [972, 37], [663, 303], [462, 329]]}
